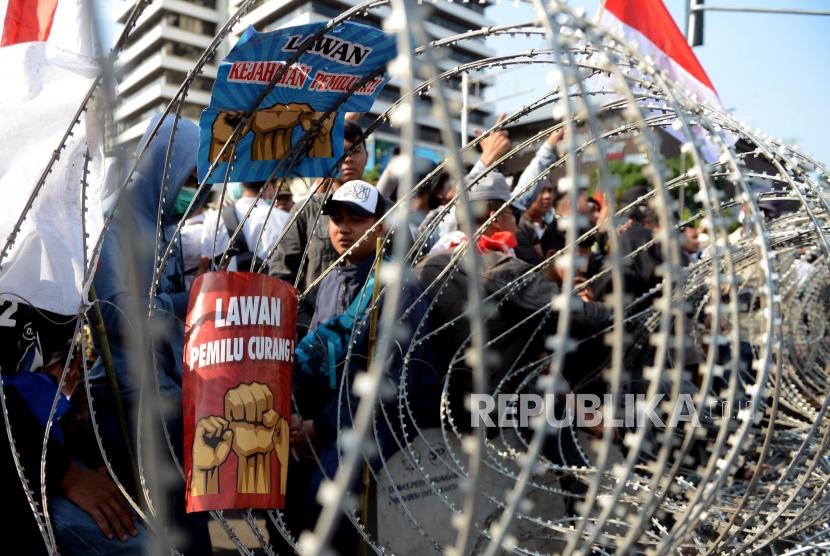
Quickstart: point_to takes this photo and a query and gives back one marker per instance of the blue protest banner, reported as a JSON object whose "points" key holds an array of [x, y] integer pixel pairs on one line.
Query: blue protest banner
{"points": [[331, 67]]}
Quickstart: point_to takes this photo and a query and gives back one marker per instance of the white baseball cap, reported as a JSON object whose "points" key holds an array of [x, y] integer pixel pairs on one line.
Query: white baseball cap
{"points": [[360, 197]]}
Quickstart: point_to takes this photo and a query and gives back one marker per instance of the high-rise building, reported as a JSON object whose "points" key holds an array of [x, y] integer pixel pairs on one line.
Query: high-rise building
{"points": [[171, 35], [169, 38]]}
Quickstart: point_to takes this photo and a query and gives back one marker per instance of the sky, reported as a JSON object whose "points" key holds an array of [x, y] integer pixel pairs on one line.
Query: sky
{"points": [[772, 71]]}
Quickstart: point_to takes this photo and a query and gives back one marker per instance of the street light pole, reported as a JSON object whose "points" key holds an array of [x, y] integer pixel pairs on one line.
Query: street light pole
{"points": [[694, 22], [465, 94], [702, 8], [695, 10]]}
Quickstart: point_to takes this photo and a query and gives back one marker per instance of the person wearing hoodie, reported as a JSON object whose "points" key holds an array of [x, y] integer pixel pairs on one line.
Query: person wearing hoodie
{"points": [[148, 349]]}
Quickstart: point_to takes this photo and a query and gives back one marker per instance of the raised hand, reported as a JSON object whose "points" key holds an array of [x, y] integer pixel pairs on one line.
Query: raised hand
{"points": [[495, 145], [211, 446], [556, 136]]}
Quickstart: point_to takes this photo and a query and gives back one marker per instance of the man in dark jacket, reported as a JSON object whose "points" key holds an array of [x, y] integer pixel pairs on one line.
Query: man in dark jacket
{"points": [[338, 347], [639, 271], [122, 283], [309, 232]]}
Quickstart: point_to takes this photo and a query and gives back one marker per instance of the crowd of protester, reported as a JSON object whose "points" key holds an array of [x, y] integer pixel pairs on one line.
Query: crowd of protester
{"points": [[326, 245]]}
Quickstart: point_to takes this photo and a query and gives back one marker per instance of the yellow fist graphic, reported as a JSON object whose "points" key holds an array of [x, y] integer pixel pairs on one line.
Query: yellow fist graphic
{"points": [[252, 429], [221, 132], [273, 128], [211, 446], [321, 146], [257, 430]]}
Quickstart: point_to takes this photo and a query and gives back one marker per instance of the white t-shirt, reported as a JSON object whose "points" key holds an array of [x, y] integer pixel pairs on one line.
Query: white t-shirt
{"points": [[192, 246], [251, 229]]}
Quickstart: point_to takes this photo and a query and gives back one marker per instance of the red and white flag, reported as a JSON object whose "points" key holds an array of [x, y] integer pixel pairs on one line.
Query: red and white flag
{"points": [[650, 25], [46, 59]]}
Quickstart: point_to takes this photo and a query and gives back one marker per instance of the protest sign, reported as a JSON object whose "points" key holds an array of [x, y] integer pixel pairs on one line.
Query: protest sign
{"points": [[236, 399], [332, 66]]}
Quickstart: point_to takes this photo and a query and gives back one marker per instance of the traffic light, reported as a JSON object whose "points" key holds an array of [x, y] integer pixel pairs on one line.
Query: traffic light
{"points": [[694, 32]]}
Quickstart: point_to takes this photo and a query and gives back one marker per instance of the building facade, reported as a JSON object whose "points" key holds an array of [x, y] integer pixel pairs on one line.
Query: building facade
{"points": [[169, 38]]}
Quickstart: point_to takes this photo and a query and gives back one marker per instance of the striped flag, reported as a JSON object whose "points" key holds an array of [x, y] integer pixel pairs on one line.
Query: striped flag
{"points": [[46, 59], [650, 25]]}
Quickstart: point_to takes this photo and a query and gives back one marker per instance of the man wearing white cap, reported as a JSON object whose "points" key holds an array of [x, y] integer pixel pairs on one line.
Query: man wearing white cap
{"points": [[336, 350], [304, 251]]}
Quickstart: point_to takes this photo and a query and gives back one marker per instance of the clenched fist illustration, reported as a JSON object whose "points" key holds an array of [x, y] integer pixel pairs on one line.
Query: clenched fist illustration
{"points": [[273, 128], [257, 430], [222, 129], [321, 147], [211, 446], [281, 439]]}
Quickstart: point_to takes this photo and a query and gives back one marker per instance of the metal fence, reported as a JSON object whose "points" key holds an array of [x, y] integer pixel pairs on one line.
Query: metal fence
{"points": [[755, 480]]}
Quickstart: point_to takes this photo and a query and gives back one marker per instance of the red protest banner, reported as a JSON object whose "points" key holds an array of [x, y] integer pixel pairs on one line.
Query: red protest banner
{"points": [[238, 356]]}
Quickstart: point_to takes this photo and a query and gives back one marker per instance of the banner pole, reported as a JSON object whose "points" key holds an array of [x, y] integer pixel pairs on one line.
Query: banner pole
{"points": [[97, 319], [368, 510]]}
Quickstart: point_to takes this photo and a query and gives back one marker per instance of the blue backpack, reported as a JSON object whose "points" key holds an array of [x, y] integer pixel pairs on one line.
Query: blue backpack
{"points": [[322, 348]]}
